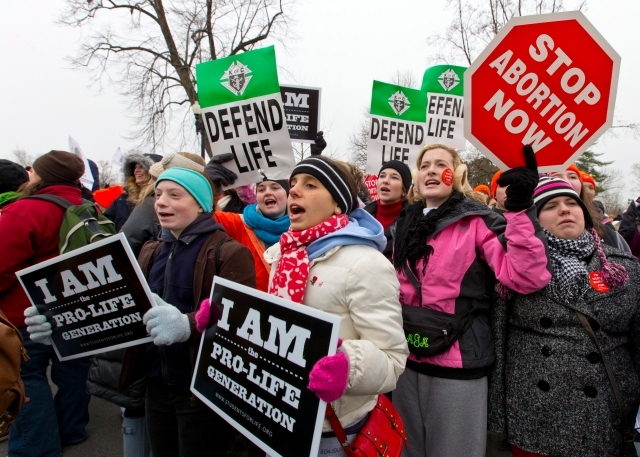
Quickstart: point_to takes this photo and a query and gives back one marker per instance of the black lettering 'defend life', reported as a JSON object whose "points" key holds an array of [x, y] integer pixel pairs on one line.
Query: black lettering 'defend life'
{"points": [[248, 119], [224, 124], [448, 106], [209, 119], [261, 117], [274, 104], [241, 168], [267, 153], [375, 128]]}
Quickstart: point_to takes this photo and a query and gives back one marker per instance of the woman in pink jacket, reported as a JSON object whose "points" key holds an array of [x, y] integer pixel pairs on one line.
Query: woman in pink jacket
{"points": [[450, 252]]}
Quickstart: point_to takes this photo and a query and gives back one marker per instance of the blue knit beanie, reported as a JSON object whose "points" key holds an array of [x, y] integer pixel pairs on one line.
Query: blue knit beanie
{"points": [[196, 184]]}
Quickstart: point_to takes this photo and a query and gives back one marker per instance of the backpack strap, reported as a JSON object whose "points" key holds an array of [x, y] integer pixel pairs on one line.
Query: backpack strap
{"points": [[203, 276], [414, 281], [62, 202], [147, 256]]}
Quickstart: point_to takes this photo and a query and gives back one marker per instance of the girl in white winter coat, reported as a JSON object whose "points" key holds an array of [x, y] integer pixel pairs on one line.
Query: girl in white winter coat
{"points": [[331, 260]]}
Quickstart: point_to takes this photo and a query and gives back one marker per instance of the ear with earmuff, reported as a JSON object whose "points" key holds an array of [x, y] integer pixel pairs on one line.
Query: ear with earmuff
{"points": [[460, 178]]}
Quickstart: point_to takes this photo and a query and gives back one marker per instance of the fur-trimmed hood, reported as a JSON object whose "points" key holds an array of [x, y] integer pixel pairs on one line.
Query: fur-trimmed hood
{"points": [[145, 160]]}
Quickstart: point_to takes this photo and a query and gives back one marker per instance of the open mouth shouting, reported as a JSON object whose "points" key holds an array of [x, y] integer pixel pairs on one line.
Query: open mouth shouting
{"points": [[296, 211], [270, 202], [163, 215], [430, 183]]}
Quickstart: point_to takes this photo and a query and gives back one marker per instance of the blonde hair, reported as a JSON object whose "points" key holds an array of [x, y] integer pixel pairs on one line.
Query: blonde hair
{"points": [[460, 183]]}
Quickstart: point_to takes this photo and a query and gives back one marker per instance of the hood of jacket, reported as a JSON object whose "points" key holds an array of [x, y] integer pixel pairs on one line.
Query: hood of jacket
{"points": [[130, 161], [362, 228], [204, 223]]}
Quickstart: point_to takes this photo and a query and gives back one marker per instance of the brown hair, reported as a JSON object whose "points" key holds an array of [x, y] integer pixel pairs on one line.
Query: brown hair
{"points": [[460, 182], [29, 188]]}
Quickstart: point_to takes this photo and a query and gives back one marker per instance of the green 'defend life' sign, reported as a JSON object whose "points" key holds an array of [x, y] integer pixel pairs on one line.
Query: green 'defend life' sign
{"points": [[444, 85], [397, 128], [243, 114]]}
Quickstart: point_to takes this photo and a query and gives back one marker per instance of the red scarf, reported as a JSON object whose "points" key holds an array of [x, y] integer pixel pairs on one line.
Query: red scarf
{"points": [[387, 214], [292, 272]]}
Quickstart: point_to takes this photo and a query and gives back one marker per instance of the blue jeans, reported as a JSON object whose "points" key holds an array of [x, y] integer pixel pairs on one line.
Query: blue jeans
{"points": [[46, 423]]}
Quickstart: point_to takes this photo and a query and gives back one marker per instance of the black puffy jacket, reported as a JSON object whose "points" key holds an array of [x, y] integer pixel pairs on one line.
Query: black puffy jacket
{"points": [[102, 381]]}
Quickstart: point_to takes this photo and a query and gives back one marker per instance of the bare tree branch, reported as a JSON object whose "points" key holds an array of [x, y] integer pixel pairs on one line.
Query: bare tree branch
{"points": [[476, 22], [148, 50]]}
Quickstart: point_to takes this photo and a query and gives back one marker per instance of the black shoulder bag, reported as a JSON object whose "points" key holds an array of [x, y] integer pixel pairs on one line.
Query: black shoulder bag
{"points": [[628, 449], [430, 332]]}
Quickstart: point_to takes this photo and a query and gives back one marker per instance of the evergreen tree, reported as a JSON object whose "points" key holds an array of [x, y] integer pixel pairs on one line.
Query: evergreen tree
{"points": [[590, 163]]}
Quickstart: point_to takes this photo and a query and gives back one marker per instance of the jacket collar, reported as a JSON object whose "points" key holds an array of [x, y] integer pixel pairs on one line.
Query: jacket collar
{"points": [[203, 224]]}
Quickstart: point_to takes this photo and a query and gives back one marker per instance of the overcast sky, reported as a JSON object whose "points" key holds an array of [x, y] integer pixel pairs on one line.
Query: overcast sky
{"points": [[340, 46]]}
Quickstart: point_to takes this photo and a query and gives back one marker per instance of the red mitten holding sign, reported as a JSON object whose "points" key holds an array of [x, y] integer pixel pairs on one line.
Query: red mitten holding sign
{"points": [[329, 377]]}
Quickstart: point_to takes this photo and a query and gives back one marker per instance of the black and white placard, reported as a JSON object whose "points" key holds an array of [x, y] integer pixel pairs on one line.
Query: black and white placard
{"points": [[94, 297], [253, 368], [302, 110]]}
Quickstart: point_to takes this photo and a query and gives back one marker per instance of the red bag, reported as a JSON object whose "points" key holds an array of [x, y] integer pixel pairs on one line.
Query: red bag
{"points": [[382, 436]]}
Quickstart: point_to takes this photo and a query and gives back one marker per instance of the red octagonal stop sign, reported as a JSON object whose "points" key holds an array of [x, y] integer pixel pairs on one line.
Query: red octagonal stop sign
{"points": [[547, 80]]}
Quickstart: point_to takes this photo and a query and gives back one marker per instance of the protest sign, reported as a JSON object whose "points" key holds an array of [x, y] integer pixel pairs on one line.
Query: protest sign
{"points": [[94, 297], [118, 159], [243, 114], [87, 177], [302, 110], [371, 181], [547, 80], [253, 368], [397, 129], [444, 86]]}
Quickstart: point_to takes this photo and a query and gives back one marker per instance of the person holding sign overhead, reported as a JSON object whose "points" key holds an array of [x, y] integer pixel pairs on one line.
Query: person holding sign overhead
{"points": [[567, 374], [449, 250], [179, 269], [330, 259], [29, 234]]}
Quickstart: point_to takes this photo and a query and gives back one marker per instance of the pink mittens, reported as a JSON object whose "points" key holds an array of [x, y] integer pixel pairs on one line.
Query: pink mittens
{"points": [[203, 314], [329, 377], [204, 317]]}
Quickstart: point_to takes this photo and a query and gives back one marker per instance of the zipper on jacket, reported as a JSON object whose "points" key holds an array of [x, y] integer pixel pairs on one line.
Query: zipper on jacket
{"points": [[164, 369]]}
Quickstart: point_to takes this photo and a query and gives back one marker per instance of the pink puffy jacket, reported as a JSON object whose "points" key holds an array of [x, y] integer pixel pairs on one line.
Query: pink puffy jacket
{"points": [[472, 248]]}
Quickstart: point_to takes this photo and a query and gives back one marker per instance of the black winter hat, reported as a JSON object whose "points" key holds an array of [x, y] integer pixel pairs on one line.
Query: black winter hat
{"points": [[12, 176], [401, 168], [283, 182]]}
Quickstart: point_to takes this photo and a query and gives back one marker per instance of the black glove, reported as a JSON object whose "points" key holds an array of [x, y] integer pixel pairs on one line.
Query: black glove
{"points": [[219, 174], [522, 182], [320, 144]]}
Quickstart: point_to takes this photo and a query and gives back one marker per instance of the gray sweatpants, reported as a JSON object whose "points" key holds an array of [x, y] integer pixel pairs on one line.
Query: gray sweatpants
{"points": [[442, 417]]}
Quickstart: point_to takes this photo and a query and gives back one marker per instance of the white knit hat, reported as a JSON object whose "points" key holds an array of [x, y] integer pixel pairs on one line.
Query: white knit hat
{"points": [[174, 160]]}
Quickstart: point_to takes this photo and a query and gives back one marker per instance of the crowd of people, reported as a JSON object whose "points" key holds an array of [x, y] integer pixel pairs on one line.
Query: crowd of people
{"points": [[511, 307]]}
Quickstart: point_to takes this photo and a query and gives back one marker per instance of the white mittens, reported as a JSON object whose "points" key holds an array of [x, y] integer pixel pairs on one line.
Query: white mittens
{"points": [[37, 326], [166, 324]]}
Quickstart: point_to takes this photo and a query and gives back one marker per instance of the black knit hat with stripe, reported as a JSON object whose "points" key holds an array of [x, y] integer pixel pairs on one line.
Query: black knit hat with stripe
{"points": [[332, 178]]}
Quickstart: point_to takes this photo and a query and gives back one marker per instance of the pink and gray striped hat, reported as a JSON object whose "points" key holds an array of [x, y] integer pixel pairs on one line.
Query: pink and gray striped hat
{"points": [[551, 187]]}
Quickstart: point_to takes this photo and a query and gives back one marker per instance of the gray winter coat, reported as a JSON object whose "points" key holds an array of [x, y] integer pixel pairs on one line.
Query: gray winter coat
{"points": [[142, 225], [549, 390]]}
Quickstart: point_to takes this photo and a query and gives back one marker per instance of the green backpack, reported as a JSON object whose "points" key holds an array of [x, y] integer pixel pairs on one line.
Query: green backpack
{"points": [[81, 224]]}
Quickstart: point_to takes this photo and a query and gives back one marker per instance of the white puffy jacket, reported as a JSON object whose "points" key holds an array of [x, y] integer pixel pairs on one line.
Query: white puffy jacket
{"points": [[358, 284]]}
